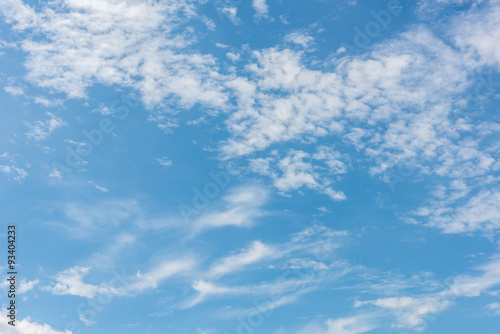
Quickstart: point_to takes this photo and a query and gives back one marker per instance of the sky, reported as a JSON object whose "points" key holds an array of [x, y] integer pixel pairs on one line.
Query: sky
{"points": [[251, 166]]}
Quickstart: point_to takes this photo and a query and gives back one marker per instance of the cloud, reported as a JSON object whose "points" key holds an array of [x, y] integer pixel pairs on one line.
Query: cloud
{"points": [[70, 282], [107, 258], [283, 291], [480, 213], [351, 325], [160, 273], [46, 102], [369, 89], [86, 322], [98, 187], [116, 43], [357, 324], [477, 31], [255, 253], [293, 172], [164, 161], [83, 220], [17, 174], [430, 9], [240, 208], [299, 38], [494, 307], [394, 103], [261, 8], [304, 262], [14, 91], [26, 286], [473, 286], [26, 326], [411, 312], [206, 289], [41, 130]]}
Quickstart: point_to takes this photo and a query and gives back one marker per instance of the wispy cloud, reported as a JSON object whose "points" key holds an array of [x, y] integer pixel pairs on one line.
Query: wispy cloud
{"points": [[70, 282], [255, 253], [41, 130], [240, 208]]}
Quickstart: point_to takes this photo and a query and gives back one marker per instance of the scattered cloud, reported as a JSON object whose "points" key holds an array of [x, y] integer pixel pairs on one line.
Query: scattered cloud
{"points": [[41, 130], [74, 56], [164, 161], [293, 171], [16, 173]]}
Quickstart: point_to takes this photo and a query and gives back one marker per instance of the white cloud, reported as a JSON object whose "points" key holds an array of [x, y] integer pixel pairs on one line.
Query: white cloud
{"points": [[209, 23], [116, 42], [310, 255], [83, 220], [206, 289], [164, 161], [86, 322], [370, 89], [70, 282], [261, 8], [98, 187], [46, 102], [255, 253], [26, 326], [102, 189], [26, 286], [283, 291], [299, 38], [14, 91], [494, 307], [294, 171], [160, 273], [357, 324], [394, 103], [478, 31], [351, 325], [411, 312], [240, 208], [107, 258], [430, 9], [233, 56], [43, 129], [17, 174], [480, 213], [473, 286], [231, 13]]}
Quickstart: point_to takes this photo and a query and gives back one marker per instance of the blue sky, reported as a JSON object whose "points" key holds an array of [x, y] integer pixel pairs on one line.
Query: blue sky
{"points": [[230, 166]]}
